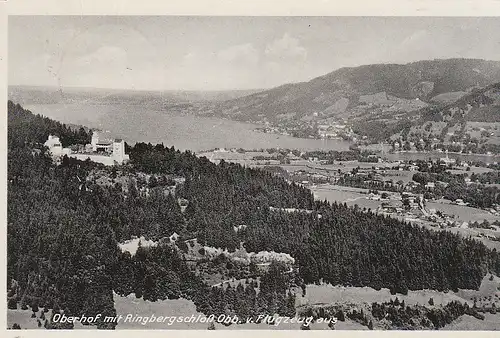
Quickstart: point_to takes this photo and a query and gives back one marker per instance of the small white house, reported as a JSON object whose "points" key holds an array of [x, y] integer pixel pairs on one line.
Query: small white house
{"points": [[430, 185]]}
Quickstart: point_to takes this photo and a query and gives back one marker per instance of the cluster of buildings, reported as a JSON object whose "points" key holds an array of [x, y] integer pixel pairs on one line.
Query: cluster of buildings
{"points": [[335, 130], [314, 128], [105, 151]]}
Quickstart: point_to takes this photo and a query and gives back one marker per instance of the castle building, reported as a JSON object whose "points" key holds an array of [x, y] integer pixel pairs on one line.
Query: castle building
{"points": [[55, 146], [119, 151], [102, 151]]}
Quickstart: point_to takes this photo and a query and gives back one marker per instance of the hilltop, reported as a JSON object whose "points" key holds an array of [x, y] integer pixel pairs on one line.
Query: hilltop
{"points": [[376, 101], [347, 90]]}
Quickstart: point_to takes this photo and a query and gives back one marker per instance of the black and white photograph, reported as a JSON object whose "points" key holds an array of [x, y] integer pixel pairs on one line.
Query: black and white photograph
{"points": [[185, 172]]}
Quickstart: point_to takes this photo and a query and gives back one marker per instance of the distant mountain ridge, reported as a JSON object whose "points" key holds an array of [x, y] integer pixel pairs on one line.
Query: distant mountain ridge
{"points": [[339, 92], [377, 100], [53, 95]]}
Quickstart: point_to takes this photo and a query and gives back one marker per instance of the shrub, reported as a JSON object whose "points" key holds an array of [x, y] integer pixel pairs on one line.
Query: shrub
{"points": [[12, 304]]}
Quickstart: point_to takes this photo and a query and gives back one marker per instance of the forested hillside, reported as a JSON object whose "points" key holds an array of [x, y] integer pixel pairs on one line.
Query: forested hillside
{"points": [[349, 88], [63, 232]]}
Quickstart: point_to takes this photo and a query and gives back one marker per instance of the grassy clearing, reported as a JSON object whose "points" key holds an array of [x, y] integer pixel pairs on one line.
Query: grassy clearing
{"points": [[328, 294], [23, 318], [488, 293], [469, 323], [175, 307], [462, 213], [336, 195]]}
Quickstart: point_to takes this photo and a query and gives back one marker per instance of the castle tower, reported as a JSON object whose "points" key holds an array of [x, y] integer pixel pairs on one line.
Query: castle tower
{"points": [[119, 150], [95, 140]]}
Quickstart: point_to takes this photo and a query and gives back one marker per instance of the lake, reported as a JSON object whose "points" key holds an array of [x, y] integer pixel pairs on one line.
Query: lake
{"points": [[139, 124]]}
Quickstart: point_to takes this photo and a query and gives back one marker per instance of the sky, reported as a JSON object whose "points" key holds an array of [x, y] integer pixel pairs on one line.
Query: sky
{"points": [[224, 53]]}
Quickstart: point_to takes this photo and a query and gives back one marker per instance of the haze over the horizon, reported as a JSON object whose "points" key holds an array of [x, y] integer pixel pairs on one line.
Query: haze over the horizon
{"points": [[223, 53]]}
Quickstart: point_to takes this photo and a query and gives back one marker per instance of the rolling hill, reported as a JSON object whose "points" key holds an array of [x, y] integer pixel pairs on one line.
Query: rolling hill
{"points": [[468, 124], [359, 91], [480, 105]]}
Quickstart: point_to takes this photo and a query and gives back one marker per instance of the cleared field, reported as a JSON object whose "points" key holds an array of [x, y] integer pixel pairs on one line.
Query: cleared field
{"points": [[328, 294], [133, 244], [23, 318], [474, 232], [348, 195], [186, 308], [175, 307], [469, 323], [365, 203], [449, 97], [333, 187], [475, 129], [462, 213], [473, 169], [487, 295], [337, 195], [396, 175]]}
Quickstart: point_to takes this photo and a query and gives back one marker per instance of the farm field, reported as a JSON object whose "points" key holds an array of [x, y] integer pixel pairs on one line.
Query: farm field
{"points": [[339, 194], [349, 195], [487, 295], [462, 213], [328, 294], [171, 307], [23, 318], [186, 308], [397, 175], [468, 323], [473, 169]]}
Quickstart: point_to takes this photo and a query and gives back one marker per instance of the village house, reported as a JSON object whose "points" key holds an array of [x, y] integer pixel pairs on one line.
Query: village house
{"points": [[430, 185], [411, 185], [446, 160]]}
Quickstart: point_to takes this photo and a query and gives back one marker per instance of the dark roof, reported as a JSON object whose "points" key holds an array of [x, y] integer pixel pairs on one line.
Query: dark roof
{"points": [[118, 140]]}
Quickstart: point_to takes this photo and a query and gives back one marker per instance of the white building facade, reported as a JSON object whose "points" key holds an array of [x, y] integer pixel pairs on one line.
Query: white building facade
{"points": [[105, 152]]}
